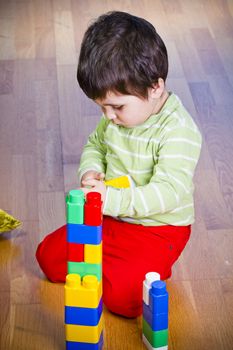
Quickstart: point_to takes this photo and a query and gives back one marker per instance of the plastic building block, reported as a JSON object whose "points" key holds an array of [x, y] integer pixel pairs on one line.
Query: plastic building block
{"points": [[92, 209], [86, 334], [158, 298], [83, 315], [75, 252], [71, 345], [157, 322], [155, 314], [85, 293], [75, 207], [84, 234], [93, 253], [119, 182], [83, 269], [155, 338], [150, 347], [149, 279]]}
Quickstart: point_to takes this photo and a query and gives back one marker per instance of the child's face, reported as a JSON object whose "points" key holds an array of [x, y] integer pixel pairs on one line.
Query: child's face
{"points": [[128, 110]]}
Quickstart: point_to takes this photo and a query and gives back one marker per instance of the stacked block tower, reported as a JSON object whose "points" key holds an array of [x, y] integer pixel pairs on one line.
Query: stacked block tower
{"points": [[83, 288], [155, 312]]}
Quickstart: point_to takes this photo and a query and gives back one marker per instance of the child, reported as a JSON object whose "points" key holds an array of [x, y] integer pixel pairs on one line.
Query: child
{"points": [[146, 133]]}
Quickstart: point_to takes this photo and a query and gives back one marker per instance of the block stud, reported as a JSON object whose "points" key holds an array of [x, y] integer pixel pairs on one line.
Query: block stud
{"points": [[90, 282], [73, 280]]}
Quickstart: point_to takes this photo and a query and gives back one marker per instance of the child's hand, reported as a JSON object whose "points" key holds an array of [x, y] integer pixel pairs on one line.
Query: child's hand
{"points": [[91, 174], [96, 186]]}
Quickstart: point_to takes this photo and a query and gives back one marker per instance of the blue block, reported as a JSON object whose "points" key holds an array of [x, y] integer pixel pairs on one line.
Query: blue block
{"points": [[158, 298], [157, 322], [83, 315], [84, 234], [72, 345]]}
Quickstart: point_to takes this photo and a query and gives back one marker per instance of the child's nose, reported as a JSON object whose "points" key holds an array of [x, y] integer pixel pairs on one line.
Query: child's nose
{"points": [[111, 116]]}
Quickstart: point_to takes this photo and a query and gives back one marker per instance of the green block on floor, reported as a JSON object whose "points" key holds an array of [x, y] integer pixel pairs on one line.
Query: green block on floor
{"points": [[75, 207], [156, 338], [83, 269]]}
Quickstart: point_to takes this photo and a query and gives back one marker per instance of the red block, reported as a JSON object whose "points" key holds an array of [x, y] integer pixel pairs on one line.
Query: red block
{"points": [[75, 252], [92, 209]]}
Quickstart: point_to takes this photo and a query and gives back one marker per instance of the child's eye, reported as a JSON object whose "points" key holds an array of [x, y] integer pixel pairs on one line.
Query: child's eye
{"points": [[118, 107]]}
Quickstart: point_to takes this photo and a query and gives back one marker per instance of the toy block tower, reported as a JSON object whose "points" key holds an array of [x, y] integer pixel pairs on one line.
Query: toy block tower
{"points": [[155, 313], [83, 288]]}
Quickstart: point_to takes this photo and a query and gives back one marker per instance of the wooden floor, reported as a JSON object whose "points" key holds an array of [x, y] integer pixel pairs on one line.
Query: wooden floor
{"points": [[44, 122]]}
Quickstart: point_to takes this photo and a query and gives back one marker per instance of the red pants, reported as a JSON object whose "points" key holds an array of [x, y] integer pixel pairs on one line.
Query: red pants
{"points": [[129, 252]]}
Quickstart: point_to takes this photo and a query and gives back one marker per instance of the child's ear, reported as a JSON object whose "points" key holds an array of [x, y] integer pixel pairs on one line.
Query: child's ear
{"points": [[157, 89]]}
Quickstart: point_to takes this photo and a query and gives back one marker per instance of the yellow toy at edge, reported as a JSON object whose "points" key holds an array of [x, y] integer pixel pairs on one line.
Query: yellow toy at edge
{"points": [[7, 222], [119, 182]]}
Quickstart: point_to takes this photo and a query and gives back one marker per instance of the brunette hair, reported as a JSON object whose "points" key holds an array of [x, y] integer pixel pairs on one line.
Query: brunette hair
{"points": [[121, 53]]}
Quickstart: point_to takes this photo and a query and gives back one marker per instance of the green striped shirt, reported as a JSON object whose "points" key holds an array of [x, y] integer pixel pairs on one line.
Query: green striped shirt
{"points": [[160, 156]]}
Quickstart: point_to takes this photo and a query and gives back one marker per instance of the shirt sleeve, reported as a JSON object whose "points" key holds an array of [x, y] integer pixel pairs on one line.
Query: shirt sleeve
{"points": [[175, 161], [94, 152]]}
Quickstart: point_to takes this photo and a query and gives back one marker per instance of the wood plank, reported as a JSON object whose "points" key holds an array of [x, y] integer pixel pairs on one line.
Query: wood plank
{"points": [[70, 176], [189, 58], [193, 316], [72, 105], [24, 131], [225, 50], [180, 87], [34, 322], [207, 51], [7, 26], [5, 320], [44, 29], [64, 38], [6, 77], [175, 64], [184, 326], [52, 211], [24, 30], [49, 147], [222, 90], [122, 332], [219, 18], [49, 164], [24, 187]]}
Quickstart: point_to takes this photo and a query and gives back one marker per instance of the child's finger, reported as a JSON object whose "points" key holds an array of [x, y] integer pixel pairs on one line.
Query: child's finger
{"points": [[101, 176], [90, 182]]}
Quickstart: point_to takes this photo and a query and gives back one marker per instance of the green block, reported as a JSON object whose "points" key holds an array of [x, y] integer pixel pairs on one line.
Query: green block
{"points": [[83, 269], [155, 338], [75, 207]]}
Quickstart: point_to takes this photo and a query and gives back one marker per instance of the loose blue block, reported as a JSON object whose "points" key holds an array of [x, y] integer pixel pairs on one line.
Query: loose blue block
{"points": [[158, 298], [84, 234], [157, 322], [82, 315], [72, 345]]}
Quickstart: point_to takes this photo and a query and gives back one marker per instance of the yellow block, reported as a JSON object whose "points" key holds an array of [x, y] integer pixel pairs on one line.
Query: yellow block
{"points": [[119, 182], [93, 253], [82, 293], [85, 334]]}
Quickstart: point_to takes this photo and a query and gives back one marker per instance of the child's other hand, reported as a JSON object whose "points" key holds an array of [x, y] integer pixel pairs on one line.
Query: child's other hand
{"points": [[96, 186], [92, 175]]}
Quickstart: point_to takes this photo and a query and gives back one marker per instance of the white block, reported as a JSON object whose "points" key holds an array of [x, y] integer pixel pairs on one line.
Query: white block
{"points": [[150, 347], [149, 279]]}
